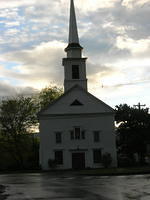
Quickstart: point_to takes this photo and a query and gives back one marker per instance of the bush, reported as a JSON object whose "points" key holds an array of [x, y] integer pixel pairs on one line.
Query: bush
{"points": [[52, 163], [126, 161], [106, 160]]}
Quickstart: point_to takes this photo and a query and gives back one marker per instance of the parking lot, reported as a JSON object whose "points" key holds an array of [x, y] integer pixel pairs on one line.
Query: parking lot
{"points": [[68, 186]]}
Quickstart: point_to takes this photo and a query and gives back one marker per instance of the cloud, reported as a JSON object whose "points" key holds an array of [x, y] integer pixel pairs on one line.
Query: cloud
{"points": [[39, 66], [7, 90], [8, 13], [134, 22], [136, 82], [12, 32], [15, 3], [114, 34], [85, 5], [101, 70], [104, 23], [135, 46], [10, 24], [92, 5], [134, 3]]}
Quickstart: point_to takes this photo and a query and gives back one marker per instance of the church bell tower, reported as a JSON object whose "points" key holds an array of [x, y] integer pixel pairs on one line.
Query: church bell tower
{"points": [[74, 64]]}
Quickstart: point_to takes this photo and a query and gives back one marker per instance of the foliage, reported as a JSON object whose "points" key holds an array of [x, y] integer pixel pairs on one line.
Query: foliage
{"points": [[126, 161], [17, 116], [21, 153], [106, 159], [18, 121], [132, 132], [48, 95]]}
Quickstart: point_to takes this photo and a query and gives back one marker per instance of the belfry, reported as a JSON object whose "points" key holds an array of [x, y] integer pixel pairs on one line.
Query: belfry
{"points": [[74, 64], [76, 129]]}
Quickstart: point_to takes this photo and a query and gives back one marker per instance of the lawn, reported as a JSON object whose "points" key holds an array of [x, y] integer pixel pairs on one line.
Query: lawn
{"points": [[90, 172], [116, 171]]}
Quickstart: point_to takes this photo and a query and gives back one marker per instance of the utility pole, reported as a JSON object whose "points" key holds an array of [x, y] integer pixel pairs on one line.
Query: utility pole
{"points": [[140, 106]]}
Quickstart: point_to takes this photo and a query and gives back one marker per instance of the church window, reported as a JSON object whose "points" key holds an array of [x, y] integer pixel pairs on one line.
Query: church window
{"points": [[97, 156], [75, 72], [83, 135], [77, 133], [76, 103], [96, 135], [58, 136], [59, 157], [72, 135]]}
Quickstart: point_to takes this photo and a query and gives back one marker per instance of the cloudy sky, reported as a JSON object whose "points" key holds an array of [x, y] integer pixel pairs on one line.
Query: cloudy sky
{"points": [[115, 35]]}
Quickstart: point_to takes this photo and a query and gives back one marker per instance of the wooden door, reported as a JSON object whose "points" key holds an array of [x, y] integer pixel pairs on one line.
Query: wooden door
{"points": [[78, 160]]}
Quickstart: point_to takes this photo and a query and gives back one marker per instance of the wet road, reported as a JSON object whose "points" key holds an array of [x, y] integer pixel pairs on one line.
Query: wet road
{"points": [[69, 187]]}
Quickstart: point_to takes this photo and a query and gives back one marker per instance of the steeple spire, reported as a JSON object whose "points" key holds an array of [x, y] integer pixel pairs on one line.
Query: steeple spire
{"points": [[73, 32]]}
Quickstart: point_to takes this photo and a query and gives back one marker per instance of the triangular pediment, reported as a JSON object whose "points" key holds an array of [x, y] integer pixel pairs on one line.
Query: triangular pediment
{"points": [[71, 101]]}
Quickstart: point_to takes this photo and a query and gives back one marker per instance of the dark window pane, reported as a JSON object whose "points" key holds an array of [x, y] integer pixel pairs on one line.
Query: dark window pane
{"points": [[96, 136], [97, 156], [77, 133], [59, 157], [58, 137], [75, 72], [72, 135], [83, 134]]}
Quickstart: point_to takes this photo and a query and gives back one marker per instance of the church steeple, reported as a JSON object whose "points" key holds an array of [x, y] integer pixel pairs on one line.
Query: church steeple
{"points": [[73, 42], [74, 64], [73, 32]]}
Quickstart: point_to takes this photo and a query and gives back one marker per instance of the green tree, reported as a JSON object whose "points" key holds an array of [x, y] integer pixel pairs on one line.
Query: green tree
{"points": [[17, 118], [48, 95], [133, 130]]}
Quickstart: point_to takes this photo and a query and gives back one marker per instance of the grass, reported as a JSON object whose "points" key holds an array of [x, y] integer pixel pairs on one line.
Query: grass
{"points": [[116, 171], [90, 172]]}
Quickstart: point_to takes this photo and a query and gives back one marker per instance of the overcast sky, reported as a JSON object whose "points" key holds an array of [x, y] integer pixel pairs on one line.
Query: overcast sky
{"points": [[115, 35]]}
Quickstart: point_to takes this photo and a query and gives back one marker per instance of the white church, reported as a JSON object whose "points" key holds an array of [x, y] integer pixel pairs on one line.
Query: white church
{"points": [[77, 128]]}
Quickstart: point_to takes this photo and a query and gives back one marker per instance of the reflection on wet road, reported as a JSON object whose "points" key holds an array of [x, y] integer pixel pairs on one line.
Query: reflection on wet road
{"points": [[46, 186]]}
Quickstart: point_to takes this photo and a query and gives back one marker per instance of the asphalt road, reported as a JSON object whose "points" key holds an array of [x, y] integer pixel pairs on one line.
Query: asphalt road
{"points": [[69, 187]]}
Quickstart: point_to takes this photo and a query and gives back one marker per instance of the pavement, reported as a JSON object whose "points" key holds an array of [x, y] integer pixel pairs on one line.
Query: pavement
{"points": [[46, 186]]}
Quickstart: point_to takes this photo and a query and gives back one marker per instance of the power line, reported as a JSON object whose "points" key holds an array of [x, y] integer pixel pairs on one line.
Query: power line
{"points": [[126, 84]]}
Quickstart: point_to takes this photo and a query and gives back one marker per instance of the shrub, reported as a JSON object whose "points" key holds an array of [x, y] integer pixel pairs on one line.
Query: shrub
{"points": [[106, 159], [52, 163]]}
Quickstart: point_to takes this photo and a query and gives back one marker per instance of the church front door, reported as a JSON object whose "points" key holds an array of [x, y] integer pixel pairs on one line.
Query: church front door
{"points": [[78, 160]]}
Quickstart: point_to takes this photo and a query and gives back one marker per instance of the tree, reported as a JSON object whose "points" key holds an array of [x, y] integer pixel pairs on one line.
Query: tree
{"points": [[132, 131], [48, 95], [18, 120]]}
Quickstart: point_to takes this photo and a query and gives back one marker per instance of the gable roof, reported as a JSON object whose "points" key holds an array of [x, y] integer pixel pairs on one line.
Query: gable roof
{"points": [[91, 104]]}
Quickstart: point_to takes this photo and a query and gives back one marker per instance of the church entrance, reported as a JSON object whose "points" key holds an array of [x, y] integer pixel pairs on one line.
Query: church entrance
{"points": [[78, 160]]}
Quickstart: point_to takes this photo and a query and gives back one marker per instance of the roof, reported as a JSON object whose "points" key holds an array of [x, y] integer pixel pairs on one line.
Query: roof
{"points": [[63, 105]]}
